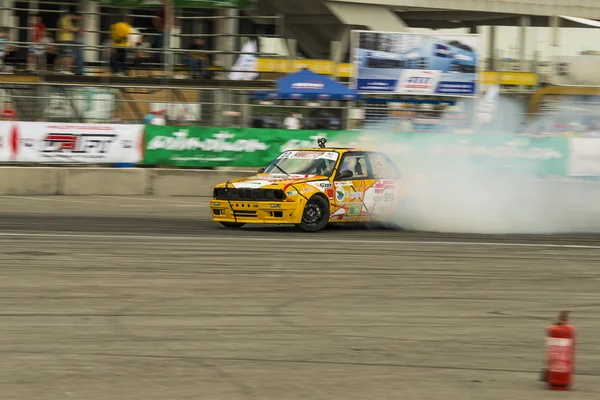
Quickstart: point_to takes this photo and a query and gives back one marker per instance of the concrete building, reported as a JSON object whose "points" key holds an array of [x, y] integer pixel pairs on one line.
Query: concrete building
{"points": [[316, 23]]}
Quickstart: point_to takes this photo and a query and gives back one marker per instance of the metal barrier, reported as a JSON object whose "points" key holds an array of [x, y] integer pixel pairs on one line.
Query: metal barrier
{"points": [[235, 108], [186, 104]]}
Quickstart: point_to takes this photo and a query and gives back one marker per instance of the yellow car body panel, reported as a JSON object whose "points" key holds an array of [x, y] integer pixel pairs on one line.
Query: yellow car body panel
{"points": [[288, 211], [350, 200]]}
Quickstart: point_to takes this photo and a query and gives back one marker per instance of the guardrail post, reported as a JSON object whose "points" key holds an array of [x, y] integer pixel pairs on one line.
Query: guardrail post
{"points": [[91, 38]]}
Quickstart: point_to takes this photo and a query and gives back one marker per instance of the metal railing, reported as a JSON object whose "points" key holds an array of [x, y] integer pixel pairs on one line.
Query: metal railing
{"points": [[236, 108], [164, 51], [226, 107]]}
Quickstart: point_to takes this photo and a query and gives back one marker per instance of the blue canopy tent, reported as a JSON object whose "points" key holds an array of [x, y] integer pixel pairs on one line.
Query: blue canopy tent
{"points": [[307, 85]]}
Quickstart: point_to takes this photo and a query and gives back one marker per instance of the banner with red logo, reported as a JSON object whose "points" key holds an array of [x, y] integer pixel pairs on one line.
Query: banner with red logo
{"points": [[44, 142], [5, 145]]}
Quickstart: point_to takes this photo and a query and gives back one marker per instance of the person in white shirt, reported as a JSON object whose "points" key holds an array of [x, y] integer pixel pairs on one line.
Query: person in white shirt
{"points": [[292, 122]]}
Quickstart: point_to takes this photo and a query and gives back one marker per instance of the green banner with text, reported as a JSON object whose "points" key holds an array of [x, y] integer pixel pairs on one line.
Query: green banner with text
{"points": [[196, 146], [252, 147]]}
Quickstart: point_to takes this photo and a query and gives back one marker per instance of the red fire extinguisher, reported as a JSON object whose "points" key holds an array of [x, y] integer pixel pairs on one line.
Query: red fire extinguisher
{"points": [[560, 353]]}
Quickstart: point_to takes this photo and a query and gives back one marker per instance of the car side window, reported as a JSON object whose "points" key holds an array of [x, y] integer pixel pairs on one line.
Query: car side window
{"points": [[383, 167], [355, 163]]}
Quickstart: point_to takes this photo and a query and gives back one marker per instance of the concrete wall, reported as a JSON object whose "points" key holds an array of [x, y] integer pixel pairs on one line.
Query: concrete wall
{"points": [[46, 181]]}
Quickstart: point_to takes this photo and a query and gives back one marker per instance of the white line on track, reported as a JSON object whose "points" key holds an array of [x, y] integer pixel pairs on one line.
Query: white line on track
{"points": [[116, 203], [295, 239], [67, 201], [48, 199]]}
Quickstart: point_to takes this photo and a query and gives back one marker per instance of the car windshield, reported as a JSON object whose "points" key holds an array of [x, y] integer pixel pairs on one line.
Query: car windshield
{"points": [[312, 163]]}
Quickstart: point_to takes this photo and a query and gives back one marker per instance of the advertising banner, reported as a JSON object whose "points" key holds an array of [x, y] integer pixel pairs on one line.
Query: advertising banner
{"points": [[244, 68], [218, 147], [407, 63], [5, 143], [76, 143], [215, 147], [89, 103], [575, 71]]}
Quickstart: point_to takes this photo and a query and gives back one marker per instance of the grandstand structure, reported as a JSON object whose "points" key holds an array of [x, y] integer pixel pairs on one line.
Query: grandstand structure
{"points": [[162, 83], [290, 34]]}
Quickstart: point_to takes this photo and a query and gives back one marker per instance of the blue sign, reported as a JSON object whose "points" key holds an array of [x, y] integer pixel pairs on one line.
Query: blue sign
{"points": [[416, 64]]}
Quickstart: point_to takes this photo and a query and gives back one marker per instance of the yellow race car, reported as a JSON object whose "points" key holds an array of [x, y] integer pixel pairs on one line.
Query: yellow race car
{"points": [[311, 188]]}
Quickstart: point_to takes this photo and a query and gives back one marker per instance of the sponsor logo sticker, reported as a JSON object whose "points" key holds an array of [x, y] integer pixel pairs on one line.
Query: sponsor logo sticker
{"points": [[354, 210]]}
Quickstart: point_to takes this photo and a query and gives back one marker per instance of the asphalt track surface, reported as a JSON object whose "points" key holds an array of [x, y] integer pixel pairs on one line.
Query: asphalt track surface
{"points": [[143, 298]]}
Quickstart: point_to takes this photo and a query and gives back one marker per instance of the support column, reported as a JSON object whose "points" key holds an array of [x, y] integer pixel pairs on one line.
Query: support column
{"points": [[175, 35], [555, 25], [492, 49], [339, 47], [168, 26], [525, 22], [335, 55], [34, 8], [227, 26], [91, 23], [9, 19], [292, 53]]}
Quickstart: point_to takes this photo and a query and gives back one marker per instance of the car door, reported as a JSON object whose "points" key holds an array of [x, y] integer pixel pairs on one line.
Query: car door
{"points": [[383, 189], [349, 191]]}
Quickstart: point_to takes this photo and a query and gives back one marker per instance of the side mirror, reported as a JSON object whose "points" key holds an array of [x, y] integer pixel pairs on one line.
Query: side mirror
{"points": [[261, 170], [345, 174]]}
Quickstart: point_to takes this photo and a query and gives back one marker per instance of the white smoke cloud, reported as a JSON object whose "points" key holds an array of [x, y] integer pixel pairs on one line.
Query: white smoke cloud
{"points": [[460, 187]]}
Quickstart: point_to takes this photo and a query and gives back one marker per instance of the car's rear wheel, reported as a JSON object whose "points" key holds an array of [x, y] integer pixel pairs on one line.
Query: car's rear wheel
{"points": [[315, 215], [232, 224]]}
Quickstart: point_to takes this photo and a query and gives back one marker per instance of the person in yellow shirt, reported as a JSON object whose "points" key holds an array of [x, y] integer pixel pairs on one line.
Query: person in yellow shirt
{"points": [[65, 38], [119, 35]]}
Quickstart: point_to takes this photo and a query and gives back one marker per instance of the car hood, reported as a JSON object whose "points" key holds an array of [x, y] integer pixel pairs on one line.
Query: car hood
{"points": [[272, 180]]}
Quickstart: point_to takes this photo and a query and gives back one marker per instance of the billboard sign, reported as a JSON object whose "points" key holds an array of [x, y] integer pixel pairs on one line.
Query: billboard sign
{"points": [[417, 64]]}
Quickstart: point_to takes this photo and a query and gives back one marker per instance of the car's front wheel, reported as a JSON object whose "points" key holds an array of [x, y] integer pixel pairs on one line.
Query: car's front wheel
{"points": [[232, 224], [315, 215]]}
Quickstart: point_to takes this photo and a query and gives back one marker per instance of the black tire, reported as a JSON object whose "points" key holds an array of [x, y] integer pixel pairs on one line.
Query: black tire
{"points": [[232, 224], [315, 216]]}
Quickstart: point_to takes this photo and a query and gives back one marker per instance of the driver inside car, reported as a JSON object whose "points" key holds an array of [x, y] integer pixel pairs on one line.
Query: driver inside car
{"points": [[354, 165]]}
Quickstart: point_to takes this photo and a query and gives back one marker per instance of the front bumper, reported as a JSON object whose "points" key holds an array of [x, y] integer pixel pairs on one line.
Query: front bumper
{"points": [[256, 212]]}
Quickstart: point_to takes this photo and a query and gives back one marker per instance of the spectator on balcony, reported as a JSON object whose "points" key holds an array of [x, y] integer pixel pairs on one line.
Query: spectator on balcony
{"points": [[120, 32], [197, 60], [10, 58], [67, 28], [78, 48], [37, 33], [50, 50], [159, 40], [141, 58]]}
